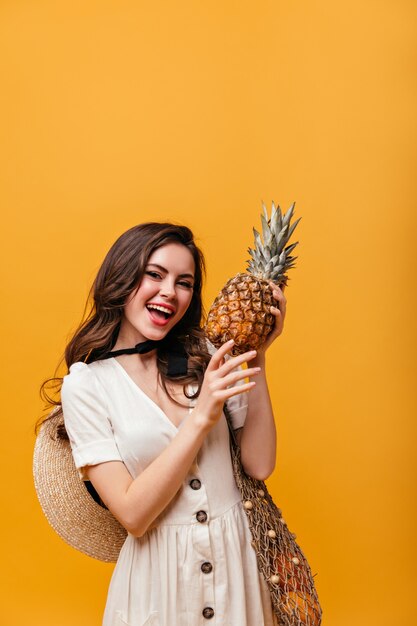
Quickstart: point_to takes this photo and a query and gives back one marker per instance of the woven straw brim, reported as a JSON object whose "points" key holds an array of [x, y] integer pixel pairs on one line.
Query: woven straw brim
{"points": [[65, 501]]}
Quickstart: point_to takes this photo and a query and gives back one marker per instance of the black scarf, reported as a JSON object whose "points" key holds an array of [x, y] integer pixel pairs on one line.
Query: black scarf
{"points": [[177, 356]]}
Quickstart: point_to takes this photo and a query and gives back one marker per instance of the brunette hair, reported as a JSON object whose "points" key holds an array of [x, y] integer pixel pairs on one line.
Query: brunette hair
{"points": [[119, 275]]}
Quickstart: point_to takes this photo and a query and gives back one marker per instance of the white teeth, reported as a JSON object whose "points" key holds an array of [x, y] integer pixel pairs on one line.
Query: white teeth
{"points": [[160, 308]]}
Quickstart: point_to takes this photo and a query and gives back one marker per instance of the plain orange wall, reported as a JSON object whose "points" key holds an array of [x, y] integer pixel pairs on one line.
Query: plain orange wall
{"points": [[114, 113]]}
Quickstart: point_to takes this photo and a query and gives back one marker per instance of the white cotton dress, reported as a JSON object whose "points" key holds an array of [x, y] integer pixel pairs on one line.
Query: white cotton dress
{"points": [[197, 566]]}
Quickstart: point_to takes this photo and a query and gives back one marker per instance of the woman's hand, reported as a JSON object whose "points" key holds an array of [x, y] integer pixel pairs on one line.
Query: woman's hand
{"points": [[219, 383], [278, 312], [135, 502]]}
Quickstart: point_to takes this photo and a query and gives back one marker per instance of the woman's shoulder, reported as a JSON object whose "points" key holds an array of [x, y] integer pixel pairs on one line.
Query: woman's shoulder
{"points": [[79, 368], [85, 377]]}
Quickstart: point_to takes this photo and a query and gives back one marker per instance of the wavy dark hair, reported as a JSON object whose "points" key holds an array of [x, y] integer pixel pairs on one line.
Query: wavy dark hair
{"points": [[119, 275]]}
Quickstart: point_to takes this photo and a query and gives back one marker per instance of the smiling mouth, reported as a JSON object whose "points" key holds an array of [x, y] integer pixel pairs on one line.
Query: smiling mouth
{"points": [[158, 313]]}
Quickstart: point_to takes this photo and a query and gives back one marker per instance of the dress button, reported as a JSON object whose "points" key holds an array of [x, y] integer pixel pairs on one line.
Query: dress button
{"points": [[208, 612], [206, 568], [201, 516], [195, 483]]}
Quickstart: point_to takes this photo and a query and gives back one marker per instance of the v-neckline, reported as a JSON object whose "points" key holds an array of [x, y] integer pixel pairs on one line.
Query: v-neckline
{"points": [[148, 398]]}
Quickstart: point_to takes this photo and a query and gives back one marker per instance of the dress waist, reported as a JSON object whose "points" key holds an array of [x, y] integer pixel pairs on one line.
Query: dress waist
{"points": [[197, 511]]}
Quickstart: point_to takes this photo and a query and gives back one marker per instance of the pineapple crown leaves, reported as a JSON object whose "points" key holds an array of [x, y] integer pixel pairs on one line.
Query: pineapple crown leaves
{"points": [[270, 258]]}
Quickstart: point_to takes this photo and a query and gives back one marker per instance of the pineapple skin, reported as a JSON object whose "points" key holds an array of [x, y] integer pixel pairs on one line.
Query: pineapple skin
{"points": [[241, 312]]}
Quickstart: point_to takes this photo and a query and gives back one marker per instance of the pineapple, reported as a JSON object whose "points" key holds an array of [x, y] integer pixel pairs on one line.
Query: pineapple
{"points": [[241, 311]]}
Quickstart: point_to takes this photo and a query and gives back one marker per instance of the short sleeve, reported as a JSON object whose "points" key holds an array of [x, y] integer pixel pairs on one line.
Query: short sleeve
{"points": [[86, 419]]}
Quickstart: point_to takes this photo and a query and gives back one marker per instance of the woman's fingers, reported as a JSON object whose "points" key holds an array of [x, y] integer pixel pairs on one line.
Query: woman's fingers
{"points": [[237, 361], [220, 378], [225, 394], [234, 377], [277, 311], [218, 357], [217, 360], [278, 294]]}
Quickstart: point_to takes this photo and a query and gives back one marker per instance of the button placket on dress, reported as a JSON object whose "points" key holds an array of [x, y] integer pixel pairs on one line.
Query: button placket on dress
{"points": [[201, 543]]}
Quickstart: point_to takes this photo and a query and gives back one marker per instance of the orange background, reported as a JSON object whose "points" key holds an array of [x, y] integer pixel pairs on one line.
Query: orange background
{"points": [[116, 113]]}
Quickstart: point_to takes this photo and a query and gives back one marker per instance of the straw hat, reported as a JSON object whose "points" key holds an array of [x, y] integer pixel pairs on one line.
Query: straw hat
{"points": [[69, 508]]}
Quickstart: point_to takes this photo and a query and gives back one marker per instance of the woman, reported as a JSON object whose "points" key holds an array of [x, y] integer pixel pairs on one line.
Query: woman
{"points": [[148, 430]]}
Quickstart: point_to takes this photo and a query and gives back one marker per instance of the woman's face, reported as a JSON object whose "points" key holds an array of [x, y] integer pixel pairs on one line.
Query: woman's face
{"points": [[162, 298]]}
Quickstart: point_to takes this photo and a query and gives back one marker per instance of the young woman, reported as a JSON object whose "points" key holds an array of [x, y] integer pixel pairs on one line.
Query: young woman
{"points": [[148, 430]]}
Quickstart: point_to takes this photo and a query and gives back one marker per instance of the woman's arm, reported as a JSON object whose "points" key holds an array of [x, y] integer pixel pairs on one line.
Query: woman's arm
{"points": [[136, 503], [257, 438]]}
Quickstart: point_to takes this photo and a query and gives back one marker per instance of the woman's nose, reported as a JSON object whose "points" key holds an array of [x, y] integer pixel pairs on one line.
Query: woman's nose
{"points": [[167, 289]]}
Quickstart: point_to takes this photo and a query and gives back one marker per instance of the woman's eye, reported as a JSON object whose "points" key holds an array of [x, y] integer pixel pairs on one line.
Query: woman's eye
{"points": [[186, 284], [153, 274]]}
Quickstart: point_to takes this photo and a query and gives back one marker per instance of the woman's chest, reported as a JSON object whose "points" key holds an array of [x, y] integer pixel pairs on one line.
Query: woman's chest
{"points": [[170, 400], [142, 429], [169, 397]]}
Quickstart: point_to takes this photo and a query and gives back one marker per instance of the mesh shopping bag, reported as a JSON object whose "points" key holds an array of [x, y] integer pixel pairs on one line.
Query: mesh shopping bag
{"points": [[280, 559]]}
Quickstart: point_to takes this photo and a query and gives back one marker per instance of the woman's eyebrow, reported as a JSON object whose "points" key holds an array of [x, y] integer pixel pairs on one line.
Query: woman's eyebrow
{"points": [[163, 269]]}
